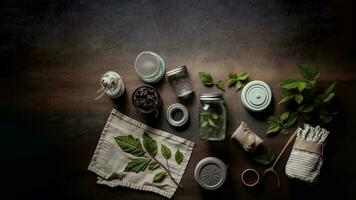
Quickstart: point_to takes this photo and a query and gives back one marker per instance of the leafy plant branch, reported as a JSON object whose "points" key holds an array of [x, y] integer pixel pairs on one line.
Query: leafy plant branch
{"points": [[133, 146], [304, 101], [235, 79]]}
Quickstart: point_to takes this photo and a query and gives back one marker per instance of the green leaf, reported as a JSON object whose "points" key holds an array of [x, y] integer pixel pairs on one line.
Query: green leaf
{"points": [[232, 79], [307, 109], [292, 84], [215, 116], [264, 159], [298, 98], [150, 145], [204, 124], [212, 123], [129, 144], [239, 85], [272, 120], [325, 116], [137, 165], [273, 129], [310, 84], [232, 76], [283, 117], [231, 82], [220, 84], [330, 88], [291, 120], [153, 165], [301, 86], [242, 76], [329, 97], [308, 72], [178, 156], [289, 84], [206, 78], [286, 98], [159, 176], [166, 152]]}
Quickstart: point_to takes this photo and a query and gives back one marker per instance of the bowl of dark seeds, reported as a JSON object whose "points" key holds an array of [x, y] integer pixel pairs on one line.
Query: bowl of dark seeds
{"points": [[147, 100]]}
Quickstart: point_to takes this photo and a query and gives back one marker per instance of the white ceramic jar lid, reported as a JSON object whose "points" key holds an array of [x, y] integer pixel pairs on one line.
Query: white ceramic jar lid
{"points": [[256, 96], [210, 173], [149, 67]]}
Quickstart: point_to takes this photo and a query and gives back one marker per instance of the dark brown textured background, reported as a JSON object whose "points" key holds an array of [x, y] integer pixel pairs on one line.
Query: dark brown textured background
{"points": [[53, 53]]}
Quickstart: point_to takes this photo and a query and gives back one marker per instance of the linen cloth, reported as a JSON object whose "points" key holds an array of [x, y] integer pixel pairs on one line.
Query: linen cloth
{"points": [[306, 158], [109, 161]]}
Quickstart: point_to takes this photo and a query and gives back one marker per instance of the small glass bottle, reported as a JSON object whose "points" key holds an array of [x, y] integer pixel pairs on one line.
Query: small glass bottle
{"points": [[212, 117], [179, 79]]}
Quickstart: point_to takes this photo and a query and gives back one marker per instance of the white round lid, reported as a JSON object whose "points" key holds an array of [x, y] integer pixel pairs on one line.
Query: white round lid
{"points": [[210, 173], [256, 96], [147, 64]]}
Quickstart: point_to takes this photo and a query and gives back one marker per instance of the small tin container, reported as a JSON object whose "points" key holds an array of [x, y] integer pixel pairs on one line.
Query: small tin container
{"points": [[114, 82], [147, 100], [150, 67], [179, 79], [210, 173], [256, 96], [177, 115]]}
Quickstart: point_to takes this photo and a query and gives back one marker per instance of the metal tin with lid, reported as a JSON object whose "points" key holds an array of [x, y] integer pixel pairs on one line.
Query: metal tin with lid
{"points": [[182, 120], [256, 96], [210, 173], [179, 79], [150, 67]]}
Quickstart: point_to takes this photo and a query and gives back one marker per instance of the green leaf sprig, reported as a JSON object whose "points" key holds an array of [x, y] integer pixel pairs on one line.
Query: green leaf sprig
{"points": [[211, 120], [133, 146], [304, 102], [207, 80], [237, 80]]}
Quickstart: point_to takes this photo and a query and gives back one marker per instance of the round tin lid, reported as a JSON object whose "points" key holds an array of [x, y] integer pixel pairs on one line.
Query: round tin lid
{"points": [[183, 119], [256, 96], [211, 96], [210, 173], [176, 70]]}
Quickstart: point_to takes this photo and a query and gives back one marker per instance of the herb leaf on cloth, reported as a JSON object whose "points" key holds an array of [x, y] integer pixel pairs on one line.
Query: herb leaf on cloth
{"points": [[129, 144], [179, 156], [166, 152], [137, 164], [154, 165], [150, 145], [159, 176]]}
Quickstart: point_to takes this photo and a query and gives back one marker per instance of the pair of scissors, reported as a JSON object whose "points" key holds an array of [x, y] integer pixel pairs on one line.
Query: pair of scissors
{"points": [[271, 169]]}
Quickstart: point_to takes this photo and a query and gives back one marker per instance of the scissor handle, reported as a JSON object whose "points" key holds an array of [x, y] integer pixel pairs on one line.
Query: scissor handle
{"points": [[271, 170]]}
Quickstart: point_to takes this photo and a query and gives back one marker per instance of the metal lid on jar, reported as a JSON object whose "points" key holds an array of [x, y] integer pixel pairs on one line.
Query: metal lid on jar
{"points": [[211, 97], [177, 109], [256, 96], [177, 70], [210, 173], [149, 67]]}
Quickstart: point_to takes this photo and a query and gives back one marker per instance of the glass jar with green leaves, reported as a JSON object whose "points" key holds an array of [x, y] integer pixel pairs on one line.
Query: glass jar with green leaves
{"points": [[212, 117]]}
